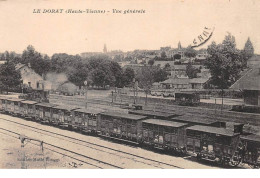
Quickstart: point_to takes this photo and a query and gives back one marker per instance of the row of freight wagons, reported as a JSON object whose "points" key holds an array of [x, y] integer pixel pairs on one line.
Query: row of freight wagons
{"points": [[203, 136]]}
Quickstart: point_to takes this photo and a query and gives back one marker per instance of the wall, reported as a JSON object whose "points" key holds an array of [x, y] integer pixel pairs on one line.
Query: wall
{"points": [[28, 75]]}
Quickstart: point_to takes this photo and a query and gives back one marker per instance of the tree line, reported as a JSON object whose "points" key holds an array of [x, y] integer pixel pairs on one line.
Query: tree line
{"points": [[226, 62], [98, 70]]}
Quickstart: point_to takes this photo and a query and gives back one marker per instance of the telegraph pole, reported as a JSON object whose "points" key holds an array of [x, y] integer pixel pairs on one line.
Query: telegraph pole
{"points": [[86, 97], [134, 88]]}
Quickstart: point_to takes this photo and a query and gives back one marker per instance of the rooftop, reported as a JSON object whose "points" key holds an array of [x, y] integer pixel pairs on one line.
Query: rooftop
{"points": [[28, 102], [249, 81], [254, 58], [176, 81], [46, 105], [19, 66], [14, 99], [199, 80], [65, 107], [194, 119], [164, 123], [214, 130], [123, 115], [252, 137], [152, 113], [3, 97], [90, 111]]}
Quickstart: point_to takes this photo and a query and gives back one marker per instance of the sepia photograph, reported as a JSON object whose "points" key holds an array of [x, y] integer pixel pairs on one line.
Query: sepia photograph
{"points": [[117, 84]]}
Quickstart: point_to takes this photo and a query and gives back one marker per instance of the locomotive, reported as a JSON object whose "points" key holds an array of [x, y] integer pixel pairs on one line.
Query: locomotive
{"points": [[204, 138]]}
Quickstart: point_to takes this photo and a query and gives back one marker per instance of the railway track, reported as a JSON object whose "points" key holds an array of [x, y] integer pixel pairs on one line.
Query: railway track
{"points": [[65, 152], [97, 147], [246, 118]]}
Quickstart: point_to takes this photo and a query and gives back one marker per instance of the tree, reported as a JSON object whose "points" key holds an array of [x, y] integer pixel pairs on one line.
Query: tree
{"points": [[247, 52], [102, 77], [128, 76], [103, 72], [117, 72], [2, 58], [177, 56], [224, 62], [146, 79], [151, 62], [159, 74], [191, 71], [10, 79], [190, 52], [167, 67], [163, 54], [38, 64], [78, 74]]}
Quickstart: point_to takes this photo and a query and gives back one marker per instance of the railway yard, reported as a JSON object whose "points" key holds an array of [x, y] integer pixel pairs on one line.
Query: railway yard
{"points": [[67, 148], [84, 150]]}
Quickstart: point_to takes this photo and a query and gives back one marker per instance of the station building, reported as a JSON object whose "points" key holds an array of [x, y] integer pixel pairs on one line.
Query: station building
{"points": [[249, 83]]}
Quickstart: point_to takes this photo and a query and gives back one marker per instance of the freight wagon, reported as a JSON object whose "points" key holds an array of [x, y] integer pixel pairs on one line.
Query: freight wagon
{"points": [[27, 109], [13, 106], [164, 134], [86, 120], [206, 138], [44, 113], [250, 150], [62, 116], [214, 144], [121, 125], [2, 103]]}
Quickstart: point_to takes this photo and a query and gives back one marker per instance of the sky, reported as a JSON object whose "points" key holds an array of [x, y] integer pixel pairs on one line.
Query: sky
{"points": [[164, 23]]}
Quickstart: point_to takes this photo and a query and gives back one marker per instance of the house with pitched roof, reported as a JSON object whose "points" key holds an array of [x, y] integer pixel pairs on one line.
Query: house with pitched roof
{"points": [[249, 83]]}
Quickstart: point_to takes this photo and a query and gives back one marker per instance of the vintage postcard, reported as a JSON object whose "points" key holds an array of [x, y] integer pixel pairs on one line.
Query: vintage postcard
{"points": [[141, 84]]}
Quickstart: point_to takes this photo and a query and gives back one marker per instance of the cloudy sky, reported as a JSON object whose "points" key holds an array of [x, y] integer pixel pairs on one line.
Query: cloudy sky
{"points": [[164, 23]]}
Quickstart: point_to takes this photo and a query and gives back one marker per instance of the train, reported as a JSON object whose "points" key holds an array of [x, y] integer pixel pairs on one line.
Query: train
{"points": [[199, 136]]}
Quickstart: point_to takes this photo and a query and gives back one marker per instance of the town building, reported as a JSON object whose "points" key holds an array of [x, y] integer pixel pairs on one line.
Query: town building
{"points": [[89, 54], [2, 62], [175, 83], [254, 62], [31, 79], [198, 83], [183, 83]]}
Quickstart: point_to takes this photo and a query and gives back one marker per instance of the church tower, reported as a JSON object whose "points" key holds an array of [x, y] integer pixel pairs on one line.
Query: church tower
{"points": [[179, 45], [105, 48]]}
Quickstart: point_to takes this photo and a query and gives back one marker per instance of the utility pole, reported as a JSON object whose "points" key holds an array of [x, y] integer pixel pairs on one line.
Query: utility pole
{"points": [[134, 88], [86, 97], [222, 102], [112, 96]]}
